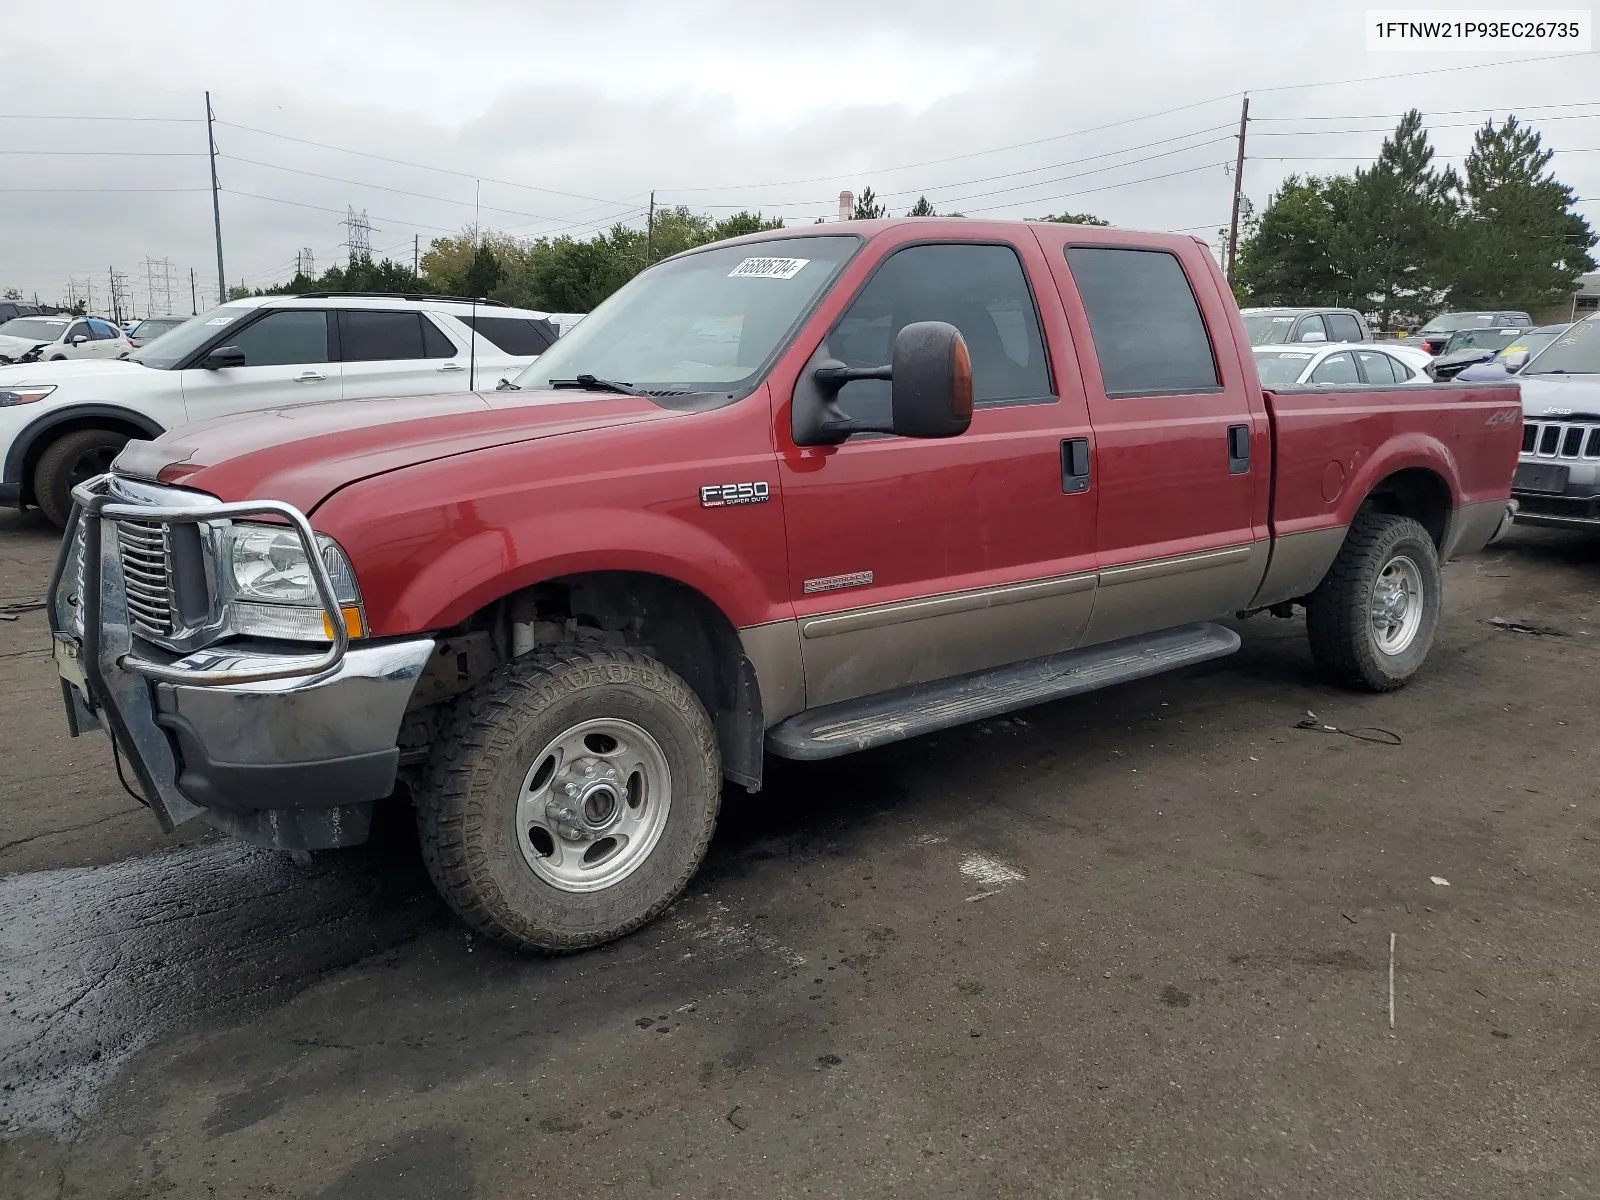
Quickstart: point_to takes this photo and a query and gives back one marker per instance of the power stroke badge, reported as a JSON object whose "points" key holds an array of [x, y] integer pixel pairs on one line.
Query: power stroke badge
{"points": [[726, 495]]}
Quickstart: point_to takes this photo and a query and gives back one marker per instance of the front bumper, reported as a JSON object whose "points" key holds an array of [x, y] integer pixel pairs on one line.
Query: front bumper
{"points": [[278, 747]]}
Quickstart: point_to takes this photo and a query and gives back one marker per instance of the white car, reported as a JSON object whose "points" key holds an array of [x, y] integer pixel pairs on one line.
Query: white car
{"points": [[63, 422], [53, 339], [1358, 362]]}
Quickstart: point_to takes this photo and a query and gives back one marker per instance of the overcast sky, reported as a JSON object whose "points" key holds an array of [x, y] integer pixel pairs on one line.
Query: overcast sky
{"points": [[570, 114]]}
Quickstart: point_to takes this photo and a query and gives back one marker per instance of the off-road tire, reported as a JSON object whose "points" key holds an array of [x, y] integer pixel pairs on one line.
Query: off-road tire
{"points": [[1338, 617], [52, 477], [467, 802]]}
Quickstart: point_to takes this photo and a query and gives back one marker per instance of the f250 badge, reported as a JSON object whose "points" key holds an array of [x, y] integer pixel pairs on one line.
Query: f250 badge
{"points": [[725, 495]]}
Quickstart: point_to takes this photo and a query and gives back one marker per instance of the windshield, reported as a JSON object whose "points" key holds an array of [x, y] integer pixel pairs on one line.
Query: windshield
{"points": [[1450, 322], [1576, 352], [154, 327], [1283, 366], [34, 329], [1479, 339], [167, 351], [1532, 342], [708, 321], [1268, 329]]}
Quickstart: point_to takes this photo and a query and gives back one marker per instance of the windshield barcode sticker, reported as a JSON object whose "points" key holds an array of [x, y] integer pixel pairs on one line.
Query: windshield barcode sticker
{"points": [[768, 268], [220, 321]]}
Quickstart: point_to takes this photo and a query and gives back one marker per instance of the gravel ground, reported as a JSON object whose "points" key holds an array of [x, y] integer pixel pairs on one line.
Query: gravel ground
{"points": [[1132, 944]]}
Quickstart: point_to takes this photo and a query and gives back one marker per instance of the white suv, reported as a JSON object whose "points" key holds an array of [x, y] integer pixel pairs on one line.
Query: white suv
{"points": [[63, 422]]}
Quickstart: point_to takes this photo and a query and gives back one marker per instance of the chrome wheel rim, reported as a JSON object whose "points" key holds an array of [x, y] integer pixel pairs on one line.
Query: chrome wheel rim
{"points": [[1396, 606], [593, 804]]}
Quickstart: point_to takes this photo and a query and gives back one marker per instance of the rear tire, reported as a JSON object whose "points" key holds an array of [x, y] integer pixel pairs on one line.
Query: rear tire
{"points": [[67, 462], [616, 738], [1373, 617]]}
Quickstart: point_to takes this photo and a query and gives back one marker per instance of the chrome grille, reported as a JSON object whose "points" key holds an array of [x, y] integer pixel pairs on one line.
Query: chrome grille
{"points": [[146, 576], [1561, 439]]}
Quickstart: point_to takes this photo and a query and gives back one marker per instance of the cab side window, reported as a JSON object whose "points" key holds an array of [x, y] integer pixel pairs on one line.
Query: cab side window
{"points": [[1336, 368], [1148, 334], [980, 289], [1342, 327], [284, 338], [78, 329], [1310, 328]]}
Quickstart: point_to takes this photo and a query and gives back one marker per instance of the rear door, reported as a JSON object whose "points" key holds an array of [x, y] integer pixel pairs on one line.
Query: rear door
{"points": [[396, 354], [912, 559], [1180, 426], [288, 360]]}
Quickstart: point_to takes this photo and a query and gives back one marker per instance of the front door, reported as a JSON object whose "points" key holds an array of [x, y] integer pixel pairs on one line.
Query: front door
{"points": [[912, 559], [1180, 428], [287, 361]]}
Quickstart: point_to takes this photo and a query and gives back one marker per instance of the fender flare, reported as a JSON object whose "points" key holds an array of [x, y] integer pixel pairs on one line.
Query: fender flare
{"points": [[1407, 452], [29, 435]]}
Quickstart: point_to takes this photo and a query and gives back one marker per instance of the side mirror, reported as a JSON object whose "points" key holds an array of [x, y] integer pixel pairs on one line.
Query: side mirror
{"points": [[78, 339], [223, 356], [1514, 360], [930, 390], [1313, 336]]}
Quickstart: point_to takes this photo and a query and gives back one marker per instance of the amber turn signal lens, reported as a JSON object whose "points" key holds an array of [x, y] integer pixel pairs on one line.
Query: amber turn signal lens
{"points": [[352, 623]]}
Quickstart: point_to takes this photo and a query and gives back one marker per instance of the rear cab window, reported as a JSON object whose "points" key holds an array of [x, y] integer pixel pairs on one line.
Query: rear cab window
{"points": [[525, 337], [1342, 327], [1149, 336]]}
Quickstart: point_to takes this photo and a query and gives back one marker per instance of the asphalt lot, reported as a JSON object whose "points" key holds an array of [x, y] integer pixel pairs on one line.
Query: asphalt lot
{"points": [[1133, 944]]}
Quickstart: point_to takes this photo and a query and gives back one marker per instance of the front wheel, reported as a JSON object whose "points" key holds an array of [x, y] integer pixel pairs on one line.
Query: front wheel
{"points": [[70, 460], [569, 799], [1372, 618]]}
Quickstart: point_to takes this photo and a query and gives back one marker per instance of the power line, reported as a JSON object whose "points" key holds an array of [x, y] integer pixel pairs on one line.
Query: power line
{"points": [[118, 190], [55, 117], [385, 188], [420, 166], [114, 153], [1448, 112], [1086, 191]]}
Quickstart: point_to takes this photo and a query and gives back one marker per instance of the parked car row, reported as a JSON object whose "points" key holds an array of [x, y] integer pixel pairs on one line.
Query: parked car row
{"points": [[63, 422], [56, 339]]}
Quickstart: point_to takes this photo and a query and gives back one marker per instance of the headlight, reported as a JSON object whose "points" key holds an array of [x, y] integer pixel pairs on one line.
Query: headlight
{"points": [[25, 394], [268, 586]]}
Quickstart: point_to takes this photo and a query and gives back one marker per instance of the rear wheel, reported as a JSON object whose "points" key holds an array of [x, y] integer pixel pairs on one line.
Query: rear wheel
{"points": [[68, 461], [569, 799], [1373, 617]]}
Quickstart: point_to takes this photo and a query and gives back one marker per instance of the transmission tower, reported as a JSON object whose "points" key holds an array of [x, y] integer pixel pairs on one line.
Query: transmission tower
{"points": [[158, 285], [120, 296], [359, 233], [305, 263]]}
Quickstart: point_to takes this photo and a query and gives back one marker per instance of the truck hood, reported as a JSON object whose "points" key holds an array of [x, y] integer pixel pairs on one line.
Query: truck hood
{"points": [[302, 454], [1560, 395]]}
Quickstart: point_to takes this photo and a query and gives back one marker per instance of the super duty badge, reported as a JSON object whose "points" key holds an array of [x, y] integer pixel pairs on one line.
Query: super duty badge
{"points": [[724, 495]]}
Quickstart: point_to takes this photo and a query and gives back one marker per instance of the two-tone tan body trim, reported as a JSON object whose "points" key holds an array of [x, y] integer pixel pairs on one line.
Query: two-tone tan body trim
{"points": [[839, 656]]}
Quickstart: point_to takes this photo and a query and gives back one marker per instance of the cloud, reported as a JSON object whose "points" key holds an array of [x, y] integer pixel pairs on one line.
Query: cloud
{"points": [[709, 103]]}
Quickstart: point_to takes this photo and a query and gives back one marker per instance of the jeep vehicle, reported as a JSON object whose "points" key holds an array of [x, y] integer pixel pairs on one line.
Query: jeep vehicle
{"points": [[800, 493], [1557, 481]]}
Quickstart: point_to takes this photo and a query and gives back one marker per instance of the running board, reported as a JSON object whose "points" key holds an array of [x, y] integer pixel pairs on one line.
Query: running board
{"points": [[922, 708]]}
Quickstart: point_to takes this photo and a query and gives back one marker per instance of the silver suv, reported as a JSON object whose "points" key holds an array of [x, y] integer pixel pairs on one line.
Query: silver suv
{"points": [[1558, 473]]}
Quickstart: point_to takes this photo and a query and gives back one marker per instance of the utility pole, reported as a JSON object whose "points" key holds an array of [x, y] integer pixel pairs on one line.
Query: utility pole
{"points": [[1238, 188], [194, 297], [216, 207], [416, 248], [650, 232], [116, 297]]}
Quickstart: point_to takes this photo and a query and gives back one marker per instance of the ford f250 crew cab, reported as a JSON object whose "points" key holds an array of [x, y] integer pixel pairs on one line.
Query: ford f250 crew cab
{"points": [[801, 494]]}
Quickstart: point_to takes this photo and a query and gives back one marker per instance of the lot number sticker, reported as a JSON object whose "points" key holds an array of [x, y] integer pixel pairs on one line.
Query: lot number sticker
{"points": [[768, 268]]}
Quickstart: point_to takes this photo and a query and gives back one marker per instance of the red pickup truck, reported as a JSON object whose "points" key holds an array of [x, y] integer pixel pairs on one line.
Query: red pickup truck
{"points": [[801, 493]]}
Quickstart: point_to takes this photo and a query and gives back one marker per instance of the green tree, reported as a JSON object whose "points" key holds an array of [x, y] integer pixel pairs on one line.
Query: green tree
{"points": [[867, 207], [921, 208], [1519, 245], [1393, 239], [12, 294], [1286, 256], [1073, 219], [484, 273], [742, 223]]}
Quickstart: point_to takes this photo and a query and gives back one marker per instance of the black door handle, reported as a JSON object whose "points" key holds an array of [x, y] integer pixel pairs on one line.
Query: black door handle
{"points": [[1075, 465], [1238, 449]]}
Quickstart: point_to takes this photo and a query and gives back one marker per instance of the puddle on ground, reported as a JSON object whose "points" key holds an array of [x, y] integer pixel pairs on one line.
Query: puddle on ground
{"points": [[98, 962]]}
